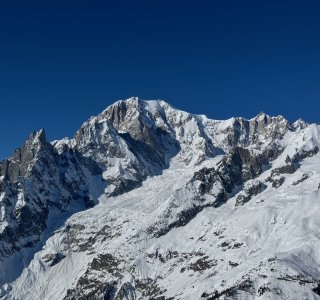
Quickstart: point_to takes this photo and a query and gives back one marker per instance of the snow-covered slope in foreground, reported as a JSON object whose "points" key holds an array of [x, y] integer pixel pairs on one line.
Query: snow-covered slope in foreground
{"points": [[185, 208]]}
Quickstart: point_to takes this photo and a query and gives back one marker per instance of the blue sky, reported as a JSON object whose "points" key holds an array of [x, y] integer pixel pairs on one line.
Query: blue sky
{"points": [[63, 61]]}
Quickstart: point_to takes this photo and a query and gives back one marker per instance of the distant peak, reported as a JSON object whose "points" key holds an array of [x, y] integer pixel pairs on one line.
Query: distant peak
{"points": [[262, 115], [136, 103], [128, 101], [133, 99], [144, 102], [300, 124]]}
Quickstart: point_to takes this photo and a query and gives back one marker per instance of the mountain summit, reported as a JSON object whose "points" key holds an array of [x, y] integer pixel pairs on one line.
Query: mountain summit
{"points": [[150, 202]]}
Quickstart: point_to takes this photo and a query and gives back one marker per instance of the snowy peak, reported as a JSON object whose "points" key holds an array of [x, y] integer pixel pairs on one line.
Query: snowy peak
{"points": [[156, 124], [263, 119], [24, 158], [136, 117], [125, 114], [137, 138], [151, 202], [300, 124], [38, 137]]}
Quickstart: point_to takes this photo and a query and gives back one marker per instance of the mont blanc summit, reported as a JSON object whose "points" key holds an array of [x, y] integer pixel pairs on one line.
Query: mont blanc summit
{"points": [[150, 202]]}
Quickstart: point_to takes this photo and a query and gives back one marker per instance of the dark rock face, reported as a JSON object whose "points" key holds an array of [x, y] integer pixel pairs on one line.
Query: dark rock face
{"points": [[53, 259], [247, 132], [287, 169], [232, 292], [270, 153], [105, 262], [150, 290], [18, 165], [278, 182], [104, 291], [24, 190], [241, 165], [234, 170], [276, 177], [304, 154], [101, 281], [249, 191], [145, 138], [207, 177], [202, 264], [252, 289], [317, 289], [126, 292], [127, 133], [303, 178], [35, 178]]}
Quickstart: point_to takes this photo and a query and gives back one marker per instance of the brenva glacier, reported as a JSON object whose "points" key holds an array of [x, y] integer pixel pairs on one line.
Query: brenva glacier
{"points": [[150, 202]]}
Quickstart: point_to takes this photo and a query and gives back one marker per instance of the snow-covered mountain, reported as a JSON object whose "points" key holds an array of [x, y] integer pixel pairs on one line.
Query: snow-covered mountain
{"points": [[150, 202]]}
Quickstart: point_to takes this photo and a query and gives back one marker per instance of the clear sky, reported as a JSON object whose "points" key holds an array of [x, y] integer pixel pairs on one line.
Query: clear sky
{"points": [[63, 61]]}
